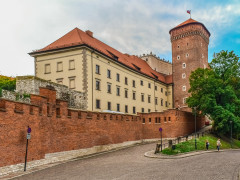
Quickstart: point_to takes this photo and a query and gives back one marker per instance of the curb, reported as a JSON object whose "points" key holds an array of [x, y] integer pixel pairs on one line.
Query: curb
{"points": [[150, 154]]}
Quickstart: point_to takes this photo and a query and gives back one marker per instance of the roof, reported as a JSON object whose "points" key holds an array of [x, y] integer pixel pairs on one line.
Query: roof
{"points": [[187, 22], [78, 37]]}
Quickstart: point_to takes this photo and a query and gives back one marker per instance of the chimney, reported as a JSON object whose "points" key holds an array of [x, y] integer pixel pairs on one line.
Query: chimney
{"points": [[90, 33]]}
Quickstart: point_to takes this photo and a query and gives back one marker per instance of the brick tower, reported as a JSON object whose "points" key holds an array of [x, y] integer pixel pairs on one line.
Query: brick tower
{"points": [[190, 41]]}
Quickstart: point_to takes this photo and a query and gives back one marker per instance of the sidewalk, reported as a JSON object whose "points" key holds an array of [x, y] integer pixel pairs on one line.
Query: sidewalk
{"points": [[150, 154]]}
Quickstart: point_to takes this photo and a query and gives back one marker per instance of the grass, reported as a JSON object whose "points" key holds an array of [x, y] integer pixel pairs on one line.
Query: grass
{"points": [[189, 146]]}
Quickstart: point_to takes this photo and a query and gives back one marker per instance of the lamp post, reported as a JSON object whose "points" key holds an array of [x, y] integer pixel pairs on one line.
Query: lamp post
{"points": [[231, 133], [195, 111]]}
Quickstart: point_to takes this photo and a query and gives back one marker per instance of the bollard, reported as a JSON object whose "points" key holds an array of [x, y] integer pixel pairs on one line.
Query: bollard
{"points": [[157, 148]]}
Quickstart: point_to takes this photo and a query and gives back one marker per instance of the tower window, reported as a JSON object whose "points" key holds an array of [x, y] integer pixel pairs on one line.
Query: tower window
{"points": [[178, 57], [184, 88], [184, 65], [183, 75], [184, 100]]}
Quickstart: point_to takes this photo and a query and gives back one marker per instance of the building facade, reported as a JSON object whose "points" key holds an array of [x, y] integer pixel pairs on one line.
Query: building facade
{"points": [[113, 81]]}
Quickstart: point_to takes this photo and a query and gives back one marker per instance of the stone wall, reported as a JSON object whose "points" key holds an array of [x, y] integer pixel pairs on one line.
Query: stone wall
{"points": [[31, 84], [57, 128]]}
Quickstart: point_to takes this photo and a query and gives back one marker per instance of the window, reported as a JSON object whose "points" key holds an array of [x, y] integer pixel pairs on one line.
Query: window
{"points": [[178, 46], [126, 93], [134, 95], [184, 65], [109, 74], [142, 97], [165, 119], [161, 102], [71, 82], [156, 120], [71, 65], [178, 57], [155, 88], [97, 69], [149, 85], [59, 81], [126, 108], [166, 104], [109, 87], [156, 101], [161, 89], [134, 110], [133, 83], [184, 88], [98, 104], [150, 120], [118, 107], [183, 75], [187, 55], [47, 69], [149, 110], [109, 105], [165, 93], [143, 120], [97, 84], [184, 100], [142, 110], [149, 98], [202, 56], [118, 91], [169, 118], [126, 80], [59, 66], [118, 77], [141, 82]]}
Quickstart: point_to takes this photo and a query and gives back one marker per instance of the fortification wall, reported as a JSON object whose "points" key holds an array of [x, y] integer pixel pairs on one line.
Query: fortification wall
{"points": [[56, 128]]}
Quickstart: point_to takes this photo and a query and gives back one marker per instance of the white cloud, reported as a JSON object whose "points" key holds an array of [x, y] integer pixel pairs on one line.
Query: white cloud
{"points": [[131, 26]]}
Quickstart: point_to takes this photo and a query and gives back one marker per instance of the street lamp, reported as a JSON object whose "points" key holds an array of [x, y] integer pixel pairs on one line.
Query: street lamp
{"points": [[231, 133], [195, 110]]}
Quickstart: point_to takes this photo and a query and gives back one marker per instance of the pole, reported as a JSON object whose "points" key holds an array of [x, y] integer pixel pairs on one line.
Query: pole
{"points": [[161, 141], [25, 164], [231, 133], [195, 128]]}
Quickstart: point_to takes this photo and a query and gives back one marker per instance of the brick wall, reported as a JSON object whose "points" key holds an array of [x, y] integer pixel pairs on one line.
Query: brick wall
{"points": [[57, 128]]}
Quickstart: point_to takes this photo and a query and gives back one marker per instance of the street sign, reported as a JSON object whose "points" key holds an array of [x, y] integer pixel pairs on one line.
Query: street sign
{"points": [[28, 136], [160, 129], [29, 130]]}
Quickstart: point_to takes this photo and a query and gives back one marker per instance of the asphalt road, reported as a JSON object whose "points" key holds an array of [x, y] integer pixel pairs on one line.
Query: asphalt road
{"points": [[130, 164]]}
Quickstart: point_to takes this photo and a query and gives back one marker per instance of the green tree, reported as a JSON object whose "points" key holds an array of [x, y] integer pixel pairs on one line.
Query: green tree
{"points": [[215, 91], [7, 83]]}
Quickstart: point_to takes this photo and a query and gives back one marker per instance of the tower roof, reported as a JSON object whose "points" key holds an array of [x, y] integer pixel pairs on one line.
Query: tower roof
{"points": [[77, 37], [187, 22]]}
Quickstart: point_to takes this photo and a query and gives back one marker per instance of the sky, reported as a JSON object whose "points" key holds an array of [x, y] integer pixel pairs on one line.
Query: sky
{"points": [[135, 27]]}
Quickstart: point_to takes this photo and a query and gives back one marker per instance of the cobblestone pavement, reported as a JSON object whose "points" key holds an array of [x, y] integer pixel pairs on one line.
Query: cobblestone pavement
{"points": [[130, 163]]}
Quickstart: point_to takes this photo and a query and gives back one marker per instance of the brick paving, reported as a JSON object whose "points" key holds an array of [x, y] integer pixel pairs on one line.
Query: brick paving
{"points": [[130, 163]]}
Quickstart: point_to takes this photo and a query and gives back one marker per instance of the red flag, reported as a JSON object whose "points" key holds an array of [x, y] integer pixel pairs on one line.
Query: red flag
{"points": [[189, 11]]}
